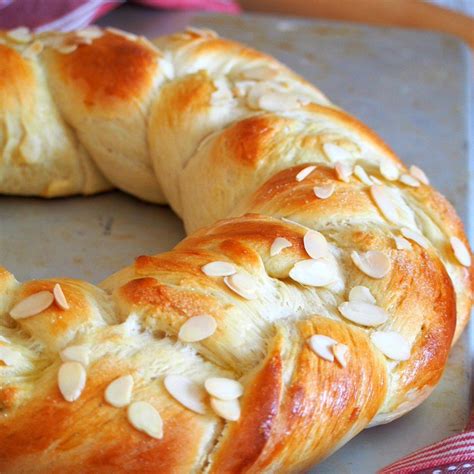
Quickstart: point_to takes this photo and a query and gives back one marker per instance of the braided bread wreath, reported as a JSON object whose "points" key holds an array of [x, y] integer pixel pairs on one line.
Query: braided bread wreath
{"points": [[261, 343]]}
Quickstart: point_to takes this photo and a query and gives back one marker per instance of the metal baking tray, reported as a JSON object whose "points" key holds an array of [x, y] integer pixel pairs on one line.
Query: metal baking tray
{"points": [[411, 87]]}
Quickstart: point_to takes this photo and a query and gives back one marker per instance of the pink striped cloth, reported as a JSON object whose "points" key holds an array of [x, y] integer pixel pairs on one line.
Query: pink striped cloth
{"points": [[453, 455], [66, 15]]}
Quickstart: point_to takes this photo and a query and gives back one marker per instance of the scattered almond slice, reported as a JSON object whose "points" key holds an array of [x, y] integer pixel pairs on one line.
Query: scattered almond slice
{"points": [[71, 380], [223, 388], [384, 203], [362, 175], [322, 346], [340, 353], [32, 305], [391, 344], [187, 392], [409, 180], [324, 192], [218, 269], [260, 73], [9, 356], [145, 417], [336, 153], [227, 409], [402, 243], [59, 297], [67, 49], [5, 340], [204, 32], [315, 244], [414, 236], [197, 328], [365, 314], [343, 171], [20, 34], [419, 174], [279, 244], [361, 293], [242, 284], [77, 353], [122, 33], [91, 32], [278, 102], [461, 252], [33, 50], [373, 263], [316, 273], [119, 392], [389, 170], [305, 172]]}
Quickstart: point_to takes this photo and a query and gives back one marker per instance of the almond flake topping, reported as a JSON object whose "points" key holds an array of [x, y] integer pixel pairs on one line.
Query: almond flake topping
{"points": [[402, 244], [343, 171], [305, 172], [218, 269], [365, 314], [279, 244], [9, 356], [419, 174], [187, 392], [32, 305], [311, 272], [77, 353], [373, 263], [362, 175], [223, 388], [71, 380], [420, 239], [33, 50], [361, 293], [278, 101], [340, 353], [122, 33], [21, 34], [242, 284], [59, 297], [227, 409], [315, 244], [67, 49], [260, 73], [145, 417], [91, 32], [322, 346], [409, 180], [204, 32], [391, 344], [197, 328], [324, 192], [119, 392], [336, 153], [376, 180], [389, 170], [384, 202], [461, 252]]}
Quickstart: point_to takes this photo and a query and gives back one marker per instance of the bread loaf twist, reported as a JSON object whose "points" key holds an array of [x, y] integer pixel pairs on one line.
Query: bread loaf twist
{"points": [[262, 342]]}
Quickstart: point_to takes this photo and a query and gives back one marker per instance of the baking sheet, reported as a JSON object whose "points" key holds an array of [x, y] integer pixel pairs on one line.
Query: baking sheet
{"points": [[411, 87]]}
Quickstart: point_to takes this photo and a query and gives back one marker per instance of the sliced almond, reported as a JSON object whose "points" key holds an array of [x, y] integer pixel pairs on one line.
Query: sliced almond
{"points": [[324, 192], [409, 180], [122, 33], [322, 346], [402, 243], [373, 263], [260, 73], [419, 174], [119, 392], [71, 380], [391, 344], [376, 180], [4, 339], [242, 284], [414, 236], [21, 34], [315, 244], [305, 172], [461, 252], [384, 202], [59, 297], [361, 293], [67, 49], [278, 102], [279, 244], [344, 171], [33, 50], [145, 417], [336, 153], [187, 392], [223, 388], [362, 175], [389, 170], [218, 269], [311, 272], [204, 32], [9, 356], [77, 353], [340, 353], [32, 305], [197, 328], [91, 32], [227, 409], [365, 314]]}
